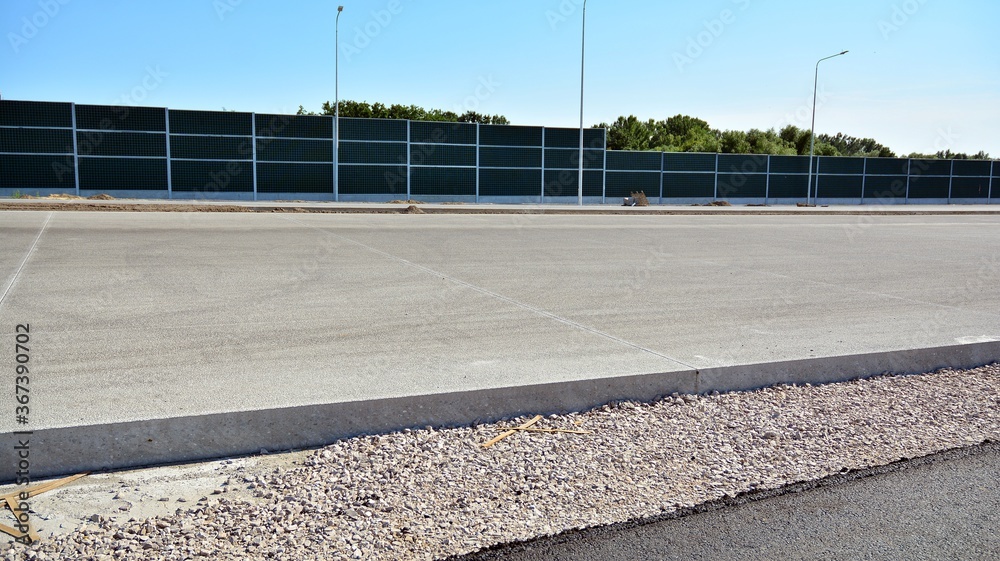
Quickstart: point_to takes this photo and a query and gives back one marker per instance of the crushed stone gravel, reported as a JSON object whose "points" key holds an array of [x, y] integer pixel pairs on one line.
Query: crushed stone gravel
{"points": [[432, 493]]}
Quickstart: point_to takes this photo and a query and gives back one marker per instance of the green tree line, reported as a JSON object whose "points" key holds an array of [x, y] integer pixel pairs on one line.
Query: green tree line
{"points": [[683, 133], [365, 110], [680, 133]]}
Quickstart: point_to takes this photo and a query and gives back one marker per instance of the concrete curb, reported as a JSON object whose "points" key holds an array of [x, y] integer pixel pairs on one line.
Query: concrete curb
{"points": [[65, 450]]}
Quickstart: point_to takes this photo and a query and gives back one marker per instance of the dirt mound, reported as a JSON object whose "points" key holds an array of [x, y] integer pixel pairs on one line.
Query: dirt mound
{"points": [[55, 197], [406, 202], [719, 203], [412, 209], [100, 197], [640, 198]]}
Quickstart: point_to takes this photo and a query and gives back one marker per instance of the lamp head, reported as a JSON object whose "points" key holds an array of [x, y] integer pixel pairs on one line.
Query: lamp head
{"points": [[341, 9], [844, 53]]}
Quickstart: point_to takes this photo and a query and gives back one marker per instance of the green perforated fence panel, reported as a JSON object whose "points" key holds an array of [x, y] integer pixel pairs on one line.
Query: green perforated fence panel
{"points": [[838, 186], [978, 168], [372, 180], [373, 153], [510, 182], [490, 157], [36, 141], [294, 178], [121, 118], [211, 147], [210, 122], [562, 158], [143, 144], [37, 172], [212, 176], [700, 185], [742, 185], [294, 126], [929, 187], [887, 166], [284, 150], [570, 138], [787, 186], [624, 183], [845, 166], [687, 162], [35, 114], [563, 183], [970, 187], [507, 135], [790, 164], [133, 174], [930, 167], [442, 181], [442, 155], [634, 161], [442, 133], [885, 186], [742, 163], [373, 130]]}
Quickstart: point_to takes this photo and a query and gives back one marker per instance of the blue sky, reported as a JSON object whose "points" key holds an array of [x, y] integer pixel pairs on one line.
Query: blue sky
{"points": [[921, 75]]}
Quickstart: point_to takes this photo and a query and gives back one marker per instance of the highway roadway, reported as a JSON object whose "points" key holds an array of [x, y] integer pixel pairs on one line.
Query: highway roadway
{"points": [[144, 317]]}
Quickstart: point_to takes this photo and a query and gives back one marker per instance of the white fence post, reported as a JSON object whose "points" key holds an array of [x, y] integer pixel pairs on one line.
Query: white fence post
{"points": [[170, 179], [76, 151]]}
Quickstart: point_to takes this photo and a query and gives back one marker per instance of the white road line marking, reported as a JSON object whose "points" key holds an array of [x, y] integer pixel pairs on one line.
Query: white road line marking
{"points": [[501, 297], [25, 260]]}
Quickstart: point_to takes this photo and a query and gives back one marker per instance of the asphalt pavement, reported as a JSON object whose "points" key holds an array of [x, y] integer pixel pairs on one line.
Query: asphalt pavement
{"points": [[945, 506]]}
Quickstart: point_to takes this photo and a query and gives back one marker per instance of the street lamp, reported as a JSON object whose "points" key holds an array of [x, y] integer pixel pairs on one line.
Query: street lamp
{"points": [[583, 53], [812, 130], [336, 97]]}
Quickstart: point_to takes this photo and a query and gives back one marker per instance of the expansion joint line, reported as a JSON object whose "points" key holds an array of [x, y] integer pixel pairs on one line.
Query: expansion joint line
{"points": [[498, 296], [24, 261]]}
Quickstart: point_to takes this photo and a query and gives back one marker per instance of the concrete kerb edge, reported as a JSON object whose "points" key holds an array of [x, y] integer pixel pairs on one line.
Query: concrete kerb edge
{"points": [[65, 450]]}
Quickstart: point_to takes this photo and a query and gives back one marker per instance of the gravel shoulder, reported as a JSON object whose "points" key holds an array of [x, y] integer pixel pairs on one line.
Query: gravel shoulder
{"points": [[429, 494]]}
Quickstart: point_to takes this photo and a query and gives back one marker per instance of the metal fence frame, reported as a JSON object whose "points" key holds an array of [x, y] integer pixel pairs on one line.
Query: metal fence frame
{"points": [[906, 181]]}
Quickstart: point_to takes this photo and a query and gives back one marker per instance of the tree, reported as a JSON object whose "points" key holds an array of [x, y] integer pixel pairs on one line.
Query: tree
{"points": [[852, 146], [734, 142], [628, 133], [769, 142], [364, 110]]}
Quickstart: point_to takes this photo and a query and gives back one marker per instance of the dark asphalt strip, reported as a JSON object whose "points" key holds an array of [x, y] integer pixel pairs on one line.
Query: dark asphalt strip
{"points": [[943, 505]]}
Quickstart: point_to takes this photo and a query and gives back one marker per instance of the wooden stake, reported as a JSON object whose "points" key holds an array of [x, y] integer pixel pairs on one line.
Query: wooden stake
{"points": [[511, 432], [10, 500]]}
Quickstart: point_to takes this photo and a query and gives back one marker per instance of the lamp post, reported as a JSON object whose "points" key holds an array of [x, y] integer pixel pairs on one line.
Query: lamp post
{"points": [[812, 130], [336, 97], [583, 53]]}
